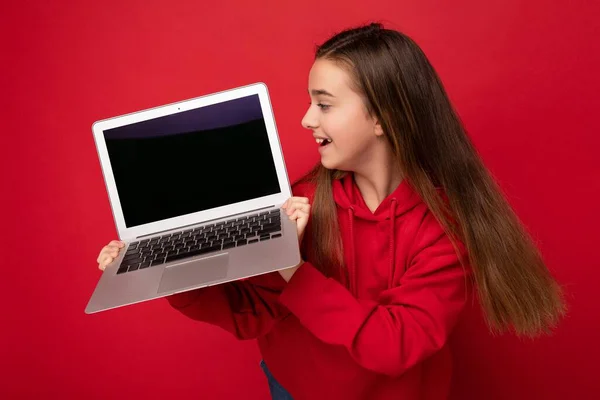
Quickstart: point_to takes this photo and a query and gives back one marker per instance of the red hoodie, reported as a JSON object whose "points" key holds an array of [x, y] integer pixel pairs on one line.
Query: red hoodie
{"points": [[383, 335]]}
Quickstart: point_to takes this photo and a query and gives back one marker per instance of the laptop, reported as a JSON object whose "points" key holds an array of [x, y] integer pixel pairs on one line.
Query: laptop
{"points": [[195, 189]]}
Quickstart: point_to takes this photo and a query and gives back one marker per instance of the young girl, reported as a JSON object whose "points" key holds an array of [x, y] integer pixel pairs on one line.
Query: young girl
{"points": [[400, 216]]}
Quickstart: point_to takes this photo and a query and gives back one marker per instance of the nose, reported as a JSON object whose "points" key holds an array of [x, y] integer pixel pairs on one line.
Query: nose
{"points": [[310, 121]]}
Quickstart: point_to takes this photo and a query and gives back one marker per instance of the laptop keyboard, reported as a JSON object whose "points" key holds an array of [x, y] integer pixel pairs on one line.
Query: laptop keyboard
{"points": [[205, 239]]}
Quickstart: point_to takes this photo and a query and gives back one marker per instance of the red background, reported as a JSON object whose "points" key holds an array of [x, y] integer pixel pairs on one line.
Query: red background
{"points": [[523, 75]]}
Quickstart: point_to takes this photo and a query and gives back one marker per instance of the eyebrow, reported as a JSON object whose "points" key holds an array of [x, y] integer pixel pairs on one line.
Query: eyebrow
{"points": [[317, 92]]}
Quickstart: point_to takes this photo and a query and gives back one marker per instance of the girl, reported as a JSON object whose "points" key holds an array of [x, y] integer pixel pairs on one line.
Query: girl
{"points": [[400, 215]]}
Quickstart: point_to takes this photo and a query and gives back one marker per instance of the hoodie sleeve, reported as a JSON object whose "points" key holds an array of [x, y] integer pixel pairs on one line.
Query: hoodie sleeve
{"points": [[404, 326], [247, 308]]}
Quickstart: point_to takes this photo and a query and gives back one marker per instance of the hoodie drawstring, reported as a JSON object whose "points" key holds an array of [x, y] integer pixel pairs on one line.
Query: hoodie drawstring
{"points": [[392, 242], [351, 264], [352, 275]]}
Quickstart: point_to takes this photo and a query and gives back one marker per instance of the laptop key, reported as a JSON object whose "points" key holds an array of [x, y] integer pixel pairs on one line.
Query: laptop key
{"points": [[252, 241], [228, 245], [133, 261], [145, 264], [122, 268], [133, 267], [242, 242], [276, 235], [158, 261], [269, 229]]}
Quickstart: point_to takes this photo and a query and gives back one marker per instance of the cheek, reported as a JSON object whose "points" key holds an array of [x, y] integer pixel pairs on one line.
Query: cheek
{"points": [[352, 134], [341, 125]]}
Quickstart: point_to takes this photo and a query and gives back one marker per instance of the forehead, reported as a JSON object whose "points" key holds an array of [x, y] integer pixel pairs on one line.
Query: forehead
{"points": [[326, 75]]}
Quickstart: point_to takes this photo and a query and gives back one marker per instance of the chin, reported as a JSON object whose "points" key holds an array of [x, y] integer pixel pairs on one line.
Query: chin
{"points": [[328, 164], [330, 161]]}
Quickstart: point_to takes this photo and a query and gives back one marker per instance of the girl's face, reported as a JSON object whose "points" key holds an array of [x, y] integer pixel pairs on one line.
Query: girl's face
{"points": [[338, 115]]}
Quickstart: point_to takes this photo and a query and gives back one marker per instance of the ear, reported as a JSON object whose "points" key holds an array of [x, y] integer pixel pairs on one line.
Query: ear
{"points": [[377, 129]]}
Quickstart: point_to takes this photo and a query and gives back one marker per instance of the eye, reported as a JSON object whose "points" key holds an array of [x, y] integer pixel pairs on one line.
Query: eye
{"points": [[322, 106]]}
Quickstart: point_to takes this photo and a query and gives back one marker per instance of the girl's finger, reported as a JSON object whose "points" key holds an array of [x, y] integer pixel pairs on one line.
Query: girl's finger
{"points": [[299, 206], [101, 255], [108, 259], [112, 246], [293, 200], [117, 243], [298, 214], [105, 250], [105, 261]]}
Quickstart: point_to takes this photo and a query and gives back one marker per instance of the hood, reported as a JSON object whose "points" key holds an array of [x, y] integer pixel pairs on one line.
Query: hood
{"points": [[347, 196]]}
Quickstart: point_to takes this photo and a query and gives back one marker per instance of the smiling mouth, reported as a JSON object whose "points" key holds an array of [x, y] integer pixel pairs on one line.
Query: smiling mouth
{"points": [[323, 142]]}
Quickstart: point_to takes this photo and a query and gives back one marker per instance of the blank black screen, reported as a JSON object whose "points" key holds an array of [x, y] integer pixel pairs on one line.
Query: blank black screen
{"points": [[192, 161]]}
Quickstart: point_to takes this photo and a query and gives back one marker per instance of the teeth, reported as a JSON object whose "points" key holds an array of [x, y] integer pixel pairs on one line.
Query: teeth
{"points": [[320, 141]]}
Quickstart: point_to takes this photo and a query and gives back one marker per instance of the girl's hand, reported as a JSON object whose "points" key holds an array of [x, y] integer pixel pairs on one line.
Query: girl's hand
{"points": [[109, 253], [297, 209]]}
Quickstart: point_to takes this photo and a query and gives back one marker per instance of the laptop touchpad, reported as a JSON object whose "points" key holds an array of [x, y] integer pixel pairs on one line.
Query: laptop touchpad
{"points": [[194, 272]]}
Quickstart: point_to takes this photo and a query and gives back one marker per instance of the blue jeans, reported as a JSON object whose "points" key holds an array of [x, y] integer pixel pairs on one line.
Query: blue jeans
{"points": [[277, 391]]}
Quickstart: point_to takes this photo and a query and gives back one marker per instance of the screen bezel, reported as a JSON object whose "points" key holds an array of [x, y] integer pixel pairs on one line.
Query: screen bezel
{"points": [[129, 233]]}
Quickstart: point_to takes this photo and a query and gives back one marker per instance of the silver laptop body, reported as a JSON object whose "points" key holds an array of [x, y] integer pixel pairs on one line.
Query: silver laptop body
{"points": [[195, 189]]}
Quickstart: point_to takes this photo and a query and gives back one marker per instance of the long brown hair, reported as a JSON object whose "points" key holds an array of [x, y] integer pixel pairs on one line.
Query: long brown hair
{"points": [[402, 90]]}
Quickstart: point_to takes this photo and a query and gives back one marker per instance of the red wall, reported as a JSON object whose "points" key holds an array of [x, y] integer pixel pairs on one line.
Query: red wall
{"points": [[523, 75]]}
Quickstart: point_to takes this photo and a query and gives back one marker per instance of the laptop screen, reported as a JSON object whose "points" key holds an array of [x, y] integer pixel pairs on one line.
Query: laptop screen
{"points": [[192, 161]]}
